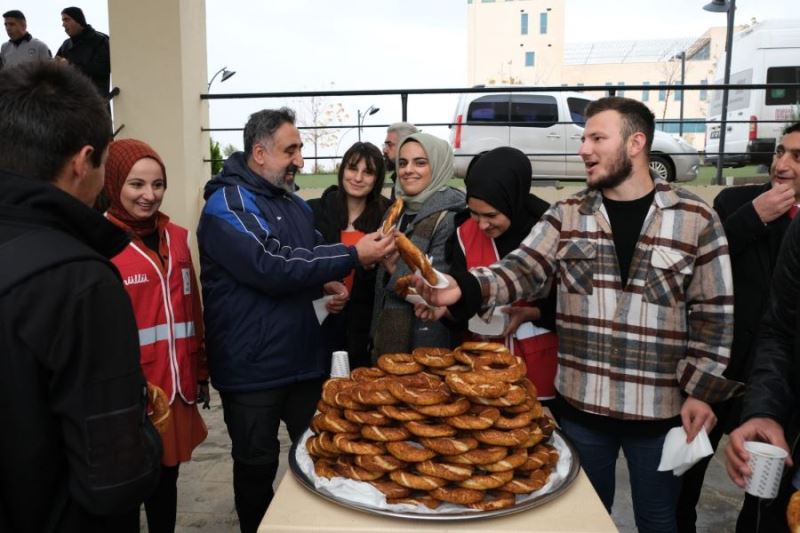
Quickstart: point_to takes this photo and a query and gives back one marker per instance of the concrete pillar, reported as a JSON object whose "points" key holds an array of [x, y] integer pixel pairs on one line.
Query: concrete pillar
{"points": [[158, 61]]}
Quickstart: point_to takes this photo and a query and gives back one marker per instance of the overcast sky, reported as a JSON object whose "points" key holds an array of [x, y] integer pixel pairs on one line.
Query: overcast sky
{"points": [[306, 45]]}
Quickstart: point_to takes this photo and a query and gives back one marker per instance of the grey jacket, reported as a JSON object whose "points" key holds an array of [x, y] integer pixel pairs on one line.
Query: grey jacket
{"points": [[394, 326]]}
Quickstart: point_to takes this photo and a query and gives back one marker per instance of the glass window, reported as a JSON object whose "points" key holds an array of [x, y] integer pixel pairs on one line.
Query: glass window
{"points": [[491, 108], [702, 53], [487, 1], [621, 90], [785, 96], [577, 110], [703, 92], [678, 92], [530, 59], [645, 92], [523, 23], [542, 23], [536, 111], [662, 91]]}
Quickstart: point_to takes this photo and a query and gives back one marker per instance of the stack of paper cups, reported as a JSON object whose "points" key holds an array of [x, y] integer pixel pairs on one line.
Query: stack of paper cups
{"points": [[766, 462], [340, 365]]}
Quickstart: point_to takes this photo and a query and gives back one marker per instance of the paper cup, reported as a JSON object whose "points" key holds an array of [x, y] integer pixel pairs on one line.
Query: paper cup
{"points": [[766, 462], [340, 365]]}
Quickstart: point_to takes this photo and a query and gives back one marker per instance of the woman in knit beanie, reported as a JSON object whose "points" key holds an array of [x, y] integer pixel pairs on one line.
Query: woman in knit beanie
{"points": [[159, 277]]}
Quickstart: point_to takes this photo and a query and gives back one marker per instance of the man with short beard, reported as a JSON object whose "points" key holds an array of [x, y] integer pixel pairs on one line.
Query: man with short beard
{"points": [[262, 266], [645, 308]]}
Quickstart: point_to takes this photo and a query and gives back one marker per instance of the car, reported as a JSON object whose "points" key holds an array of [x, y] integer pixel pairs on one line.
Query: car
{"points": [[547, 126]]}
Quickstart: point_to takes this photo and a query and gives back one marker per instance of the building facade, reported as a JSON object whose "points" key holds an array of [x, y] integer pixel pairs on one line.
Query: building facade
{"points": [[521, 42]]}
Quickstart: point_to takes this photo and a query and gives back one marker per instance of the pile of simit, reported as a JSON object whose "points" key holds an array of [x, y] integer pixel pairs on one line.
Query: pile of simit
{"points": [[461, 426]]}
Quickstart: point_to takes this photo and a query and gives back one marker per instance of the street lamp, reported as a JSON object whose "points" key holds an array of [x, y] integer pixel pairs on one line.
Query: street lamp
{"points": [[729, 7], [225, 75], [371, 110]]}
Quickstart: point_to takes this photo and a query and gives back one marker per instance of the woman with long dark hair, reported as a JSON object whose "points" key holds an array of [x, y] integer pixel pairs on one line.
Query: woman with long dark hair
{"points": [[344, 213]]}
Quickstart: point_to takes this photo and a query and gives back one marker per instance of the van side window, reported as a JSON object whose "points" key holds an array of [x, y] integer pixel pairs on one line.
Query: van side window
{"points": [[491, 108], [577, 110], [536, 111], [786, 96]]}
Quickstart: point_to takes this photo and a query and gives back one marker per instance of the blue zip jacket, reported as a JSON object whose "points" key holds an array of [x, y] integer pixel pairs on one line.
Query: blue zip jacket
{"points": [[261, 266]]}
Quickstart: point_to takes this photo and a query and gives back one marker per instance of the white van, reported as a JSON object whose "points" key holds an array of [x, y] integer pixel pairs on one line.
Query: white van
{"points": [[767, 52], [548, 127]]}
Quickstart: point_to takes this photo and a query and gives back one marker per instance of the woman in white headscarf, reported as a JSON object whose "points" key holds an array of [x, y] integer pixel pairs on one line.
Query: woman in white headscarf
{"points": [[424, 168]]}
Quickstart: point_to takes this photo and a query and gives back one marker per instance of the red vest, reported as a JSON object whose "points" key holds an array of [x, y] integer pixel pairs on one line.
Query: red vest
{"points": [[540, 352], [166, 304]]}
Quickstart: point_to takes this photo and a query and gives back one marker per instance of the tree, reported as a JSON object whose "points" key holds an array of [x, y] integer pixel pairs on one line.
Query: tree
{"points": [[317, 115], [228, 150], [215, 157]]}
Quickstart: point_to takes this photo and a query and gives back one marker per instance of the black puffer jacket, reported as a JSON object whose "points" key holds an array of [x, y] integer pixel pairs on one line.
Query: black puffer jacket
{"points": [[350, 329], [773, 389], [76, 450]]}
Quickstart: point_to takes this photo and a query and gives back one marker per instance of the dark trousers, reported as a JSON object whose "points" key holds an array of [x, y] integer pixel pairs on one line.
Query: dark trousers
{"points": [[766, 516], [252, 419], [162, 504]]}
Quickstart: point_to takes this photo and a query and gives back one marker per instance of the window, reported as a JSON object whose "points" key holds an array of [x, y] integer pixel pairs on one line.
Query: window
{"points": [[530, 59], [662, 91], [491, 108], [678, 92], [542, 23], [703, 92], [487, 1], [610, 86], [621, 90], [523, 23], [702, 53], [577, 110], [785, 96], [645, 92], [535, 111]]}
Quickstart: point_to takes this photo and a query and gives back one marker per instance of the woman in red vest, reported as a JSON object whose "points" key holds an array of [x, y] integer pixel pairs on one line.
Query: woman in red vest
{"points": [[158, 274], [500, 214]]}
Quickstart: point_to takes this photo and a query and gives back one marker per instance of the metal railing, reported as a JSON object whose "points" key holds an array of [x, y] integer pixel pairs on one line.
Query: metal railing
{"points": [[598, 91]]}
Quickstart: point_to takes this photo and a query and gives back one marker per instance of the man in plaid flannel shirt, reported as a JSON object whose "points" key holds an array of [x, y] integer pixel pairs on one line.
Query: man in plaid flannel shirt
{"points": [[645, 308]]}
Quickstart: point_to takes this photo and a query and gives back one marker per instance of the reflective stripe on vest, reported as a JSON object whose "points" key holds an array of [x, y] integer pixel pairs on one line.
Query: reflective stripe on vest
{"points": [[182, 330]]}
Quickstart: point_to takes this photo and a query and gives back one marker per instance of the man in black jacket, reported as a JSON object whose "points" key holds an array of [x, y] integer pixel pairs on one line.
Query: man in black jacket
{"points": [[755, 218], [77, 451], [771, 403], [86, 49]]}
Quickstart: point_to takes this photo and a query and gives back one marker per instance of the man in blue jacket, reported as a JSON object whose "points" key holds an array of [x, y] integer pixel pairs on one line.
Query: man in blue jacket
{"points": [[262, 265]]}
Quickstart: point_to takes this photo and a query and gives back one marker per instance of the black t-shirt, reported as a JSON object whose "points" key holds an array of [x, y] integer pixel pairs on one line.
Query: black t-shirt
{"points": [[626, 218]]}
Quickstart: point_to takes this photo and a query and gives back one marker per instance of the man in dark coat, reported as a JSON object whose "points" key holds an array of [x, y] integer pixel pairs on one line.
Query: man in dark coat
{"points": [[77, 453], [755, 218], [86, 49]]}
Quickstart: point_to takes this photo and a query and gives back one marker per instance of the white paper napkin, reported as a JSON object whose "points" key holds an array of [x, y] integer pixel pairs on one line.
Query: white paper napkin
{"points": [[320, 309], [679, 455]]}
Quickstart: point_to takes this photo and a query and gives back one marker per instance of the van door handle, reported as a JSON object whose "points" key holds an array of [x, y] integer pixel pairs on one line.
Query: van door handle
{"points": [[575, 137], [553, 136]]}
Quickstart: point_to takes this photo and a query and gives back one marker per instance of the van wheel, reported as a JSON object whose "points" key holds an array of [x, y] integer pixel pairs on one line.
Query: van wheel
{"points": [[662, 166]]}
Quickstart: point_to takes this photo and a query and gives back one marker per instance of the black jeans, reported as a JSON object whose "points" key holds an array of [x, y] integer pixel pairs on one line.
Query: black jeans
{"points": [[253, 419], [162, 504]]}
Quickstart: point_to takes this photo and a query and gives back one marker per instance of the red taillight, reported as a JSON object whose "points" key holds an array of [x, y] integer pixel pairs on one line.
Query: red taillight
{"points": [[753, 133], [457, 138]]}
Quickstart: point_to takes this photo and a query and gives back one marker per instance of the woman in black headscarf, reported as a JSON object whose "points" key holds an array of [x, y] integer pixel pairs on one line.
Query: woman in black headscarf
{"points": [[500, 214]]}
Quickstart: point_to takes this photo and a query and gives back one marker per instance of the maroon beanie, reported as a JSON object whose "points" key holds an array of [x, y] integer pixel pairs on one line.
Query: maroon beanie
{"points": [[122, 155]]}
